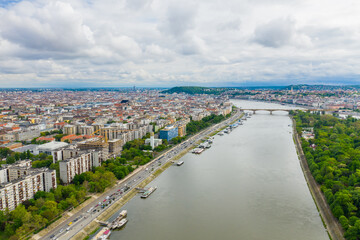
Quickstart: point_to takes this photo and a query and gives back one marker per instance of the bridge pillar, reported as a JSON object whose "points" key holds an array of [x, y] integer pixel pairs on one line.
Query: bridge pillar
{"points": [[254, 111], [271, 112]]}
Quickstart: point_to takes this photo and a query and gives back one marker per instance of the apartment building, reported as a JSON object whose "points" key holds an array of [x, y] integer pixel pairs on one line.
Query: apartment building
{"points": [[69, 129], [84, 161], [20, 182]]}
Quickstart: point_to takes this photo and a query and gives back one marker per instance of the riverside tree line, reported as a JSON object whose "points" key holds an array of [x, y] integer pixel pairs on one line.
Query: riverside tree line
{"points": [[333, 157]]}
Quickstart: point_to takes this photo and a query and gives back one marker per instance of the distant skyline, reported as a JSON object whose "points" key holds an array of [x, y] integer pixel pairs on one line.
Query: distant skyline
{"points": [[153, 43]]}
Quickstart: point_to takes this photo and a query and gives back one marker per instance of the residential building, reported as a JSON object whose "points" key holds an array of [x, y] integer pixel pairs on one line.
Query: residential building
{"points": [[69, 129], [84, 161], [20, 182]]}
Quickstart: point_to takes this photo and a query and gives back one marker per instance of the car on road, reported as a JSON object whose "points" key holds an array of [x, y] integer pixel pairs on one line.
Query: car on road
{"points": [[61, 230], [70, 223], [52, 236]]}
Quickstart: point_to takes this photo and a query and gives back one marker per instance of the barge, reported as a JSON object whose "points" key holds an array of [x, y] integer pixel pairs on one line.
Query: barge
{"points": [[148, 192]]}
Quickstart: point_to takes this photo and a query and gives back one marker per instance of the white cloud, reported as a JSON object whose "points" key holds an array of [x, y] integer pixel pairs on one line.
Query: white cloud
{"points": [[280, 32], [55, 27], [149, 42]]}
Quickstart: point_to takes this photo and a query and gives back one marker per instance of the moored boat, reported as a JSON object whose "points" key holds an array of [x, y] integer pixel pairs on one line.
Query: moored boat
{"points": [[180, 163], [122, 223], [148, 192]]}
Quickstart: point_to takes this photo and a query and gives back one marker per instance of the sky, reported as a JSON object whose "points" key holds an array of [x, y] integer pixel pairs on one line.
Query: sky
{"points": [[153, 43]]}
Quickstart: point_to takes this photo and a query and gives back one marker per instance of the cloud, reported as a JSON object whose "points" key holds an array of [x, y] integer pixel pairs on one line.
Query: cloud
{"points": [[280, 32], [276, 33], [54, 27], [151, 42], [180, 18], [138, 4], [230, 25]]}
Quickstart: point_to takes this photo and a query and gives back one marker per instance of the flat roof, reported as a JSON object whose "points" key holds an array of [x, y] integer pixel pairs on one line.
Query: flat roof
{"points": [[30, 147], [52, 145]]}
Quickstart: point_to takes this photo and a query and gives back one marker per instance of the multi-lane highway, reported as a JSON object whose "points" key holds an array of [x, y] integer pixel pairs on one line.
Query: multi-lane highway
{"points": [[78, 221]]}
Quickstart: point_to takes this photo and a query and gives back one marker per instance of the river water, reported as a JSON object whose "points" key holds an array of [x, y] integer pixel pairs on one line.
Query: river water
{"points": [[249, 185]]}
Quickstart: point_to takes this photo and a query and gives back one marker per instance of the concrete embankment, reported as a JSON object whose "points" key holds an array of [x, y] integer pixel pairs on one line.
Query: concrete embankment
{"points": [[332, 225]]}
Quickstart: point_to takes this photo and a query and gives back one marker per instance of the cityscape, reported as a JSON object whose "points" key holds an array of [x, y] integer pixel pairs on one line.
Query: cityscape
{"points": [[148, 119]]}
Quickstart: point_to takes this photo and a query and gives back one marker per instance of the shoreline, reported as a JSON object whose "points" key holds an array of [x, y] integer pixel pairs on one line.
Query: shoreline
{"points": [[331, 224], [132, 193]]}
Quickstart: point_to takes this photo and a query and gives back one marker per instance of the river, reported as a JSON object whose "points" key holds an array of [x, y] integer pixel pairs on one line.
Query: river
{"points": [[249, 185]]}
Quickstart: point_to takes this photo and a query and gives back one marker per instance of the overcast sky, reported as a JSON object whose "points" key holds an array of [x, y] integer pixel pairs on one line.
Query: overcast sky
{"points": [[115, 43]]}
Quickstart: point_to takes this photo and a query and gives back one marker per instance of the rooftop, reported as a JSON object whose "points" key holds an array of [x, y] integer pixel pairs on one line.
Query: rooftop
{"points": [[52, 145]]}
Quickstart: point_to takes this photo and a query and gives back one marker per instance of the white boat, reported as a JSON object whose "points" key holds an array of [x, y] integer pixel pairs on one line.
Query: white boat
{"points": [[122, 223], [180, 163], [148, 192]]}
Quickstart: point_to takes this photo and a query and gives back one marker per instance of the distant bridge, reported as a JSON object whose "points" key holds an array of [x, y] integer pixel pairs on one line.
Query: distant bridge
{"points": [[271, 110]]}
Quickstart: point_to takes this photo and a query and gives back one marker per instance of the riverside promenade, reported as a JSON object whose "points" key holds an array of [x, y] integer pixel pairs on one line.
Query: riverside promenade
{"points": [[332, 225]]}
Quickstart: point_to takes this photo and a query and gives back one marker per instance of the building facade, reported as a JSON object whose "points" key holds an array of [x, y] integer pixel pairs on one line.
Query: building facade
{"points": [[168, 133], [21, 182], [83, 162]]}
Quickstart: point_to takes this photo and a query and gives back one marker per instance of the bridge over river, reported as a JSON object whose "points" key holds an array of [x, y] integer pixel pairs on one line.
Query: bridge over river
{"points": [[271, 110]]}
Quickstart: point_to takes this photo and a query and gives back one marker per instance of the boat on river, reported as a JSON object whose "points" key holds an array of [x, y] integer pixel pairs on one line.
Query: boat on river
{"points": [[120, 223], [198, 150], [180, 163], [148, 192], [115, 224]]}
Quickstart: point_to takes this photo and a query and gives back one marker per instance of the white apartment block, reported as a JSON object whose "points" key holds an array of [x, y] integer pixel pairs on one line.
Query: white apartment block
{"points": [[83, 162], [19, 183]]}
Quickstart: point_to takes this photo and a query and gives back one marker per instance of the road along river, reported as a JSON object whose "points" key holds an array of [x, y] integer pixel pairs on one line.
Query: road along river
{"points": [[248, 185]]}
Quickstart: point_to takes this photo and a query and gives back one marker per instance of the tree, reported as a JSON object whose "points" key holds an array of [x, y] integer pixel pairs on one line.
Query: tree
{"points": [[10, 160], [344, 222]]}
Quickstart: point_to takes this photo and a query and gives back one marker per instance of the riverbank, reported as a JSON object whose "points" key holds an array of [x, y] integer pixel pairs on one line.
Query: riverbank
{"points": [[121, 202], [332, 225]]}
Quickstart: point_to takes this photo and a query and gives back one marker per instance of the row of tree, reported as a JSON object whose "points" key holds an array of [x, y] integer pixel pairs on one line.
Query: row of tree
{"points": [[333, 157], [195, 126]]}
